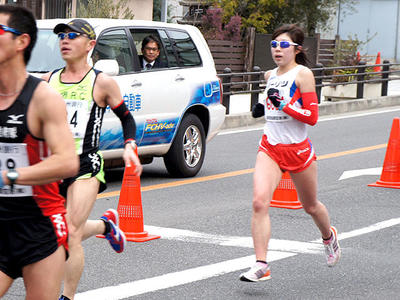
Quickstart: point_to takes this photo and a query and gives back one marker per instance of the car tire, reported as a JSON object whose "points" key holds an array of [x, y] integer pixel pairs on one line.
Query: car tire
{"points": [[186, 155]]}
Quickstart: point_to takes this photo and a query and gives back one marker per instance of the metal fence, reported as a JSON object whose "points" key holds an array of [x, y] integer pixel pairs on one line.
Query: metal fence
{"points": [[253, 82]]}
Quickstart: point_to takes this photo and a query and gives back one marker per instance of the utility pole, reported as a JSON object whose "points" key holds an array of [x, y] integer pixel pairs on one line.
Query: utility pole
{"points": [[73, 9], [164, 10]]}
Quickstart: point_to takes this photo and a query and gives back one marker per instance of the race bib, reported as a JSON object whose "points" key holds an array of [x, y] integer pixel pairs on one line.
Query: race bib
{"points": [[12, 156], [78, 117], [272, 114]]}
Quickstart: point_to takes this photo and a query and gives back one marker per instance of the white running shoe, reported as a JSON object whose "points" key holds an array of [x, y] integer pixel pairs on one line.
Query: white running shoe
{"points": [[332, 249], [258, 272]]}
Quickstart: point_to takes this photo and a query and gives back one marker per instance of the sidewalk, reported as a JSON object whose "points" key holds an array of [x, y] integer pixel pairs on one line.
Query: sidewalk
{"points": [[240, 116]]}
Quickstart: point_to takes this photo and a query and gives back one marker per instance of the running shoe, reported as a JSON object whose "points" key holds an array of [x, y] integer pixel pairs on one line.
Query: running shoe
{"points": [[258, 272], [111, 214], [332, 249], [116, 236]]}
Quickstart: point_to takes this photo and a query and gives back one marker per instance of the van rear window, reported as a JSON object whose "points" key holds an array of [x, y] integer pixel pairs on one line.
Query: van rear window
{"points": [[188, 55]]}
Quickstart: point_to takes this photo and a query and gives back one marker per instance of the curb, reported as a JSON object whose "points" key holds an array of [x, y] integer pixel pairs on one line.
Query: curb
{"points": [[326, 108]]}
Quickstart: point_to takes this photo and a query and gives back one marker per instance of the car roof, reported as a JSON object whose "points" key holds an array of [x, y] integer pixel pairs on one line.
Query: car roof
{"points": [[99, 24]]}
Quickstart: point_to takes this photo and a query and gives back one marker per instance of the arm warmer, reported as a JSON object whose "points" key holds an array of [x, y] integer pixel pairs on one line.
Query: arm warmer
{"points": [[308, 113], [127, 121]]}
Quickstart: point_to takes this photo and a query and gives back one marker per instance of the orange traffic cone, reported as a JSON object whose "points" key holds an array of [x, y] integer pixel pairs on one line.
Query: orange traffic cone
{"points": [[378, 62], [130, 208], [390, 176], [285, 195]]}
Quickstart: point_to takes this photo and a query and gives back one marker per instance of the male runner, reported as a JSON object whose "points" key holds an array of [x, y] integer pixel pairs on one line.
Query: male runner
{"points": [[87, 92], [36, 150]]}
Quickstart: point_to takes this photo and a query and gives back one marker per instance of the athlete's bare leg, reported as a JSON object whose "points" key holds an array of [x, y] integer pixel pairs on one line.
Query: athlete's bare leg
{"points": [[80, 200], [5, 283], [267, 175], [43, 279], [306, 186]]}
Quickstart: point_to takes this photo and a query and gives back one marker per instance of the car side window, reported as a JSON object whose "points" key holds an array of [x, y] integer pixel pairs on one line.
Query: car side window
{"points": [[150, 36], [187, 53], [114, 45], [170, 53]]}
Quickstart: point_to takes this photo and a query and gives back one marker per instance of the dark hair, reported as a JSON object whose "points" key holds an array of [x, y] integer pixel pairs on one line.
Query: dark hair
{"points": [[151, 38], [22, 20], [297, 36]]}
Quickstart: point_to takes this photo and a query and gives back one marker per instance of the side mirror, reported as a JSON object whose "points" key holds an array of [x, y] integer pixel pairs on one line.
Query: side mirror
{"points": [[108, 66]]}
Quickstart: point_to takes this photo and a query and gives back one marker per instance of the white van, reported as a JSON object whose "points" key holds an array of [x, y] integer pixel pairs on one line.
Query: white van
{"points": [[177, 108]]}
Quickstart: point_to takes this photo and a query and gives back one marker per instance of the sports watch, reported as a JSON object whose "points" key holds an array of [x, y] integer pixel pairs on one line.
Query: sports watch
{"points": [[12, 176]]}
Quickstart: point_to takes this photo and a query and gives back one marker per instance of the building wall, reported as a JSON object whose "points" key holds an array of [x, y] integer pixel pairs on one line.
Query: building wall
{"points": [[175, 11], [142, 9], [374, 20]]}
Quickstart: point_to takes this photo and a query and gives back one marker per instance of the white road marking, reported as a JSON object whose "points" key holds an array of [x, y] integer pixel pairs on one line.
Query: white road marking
{"points": [[360, 172], [355, 115], [233, 241], [169, 280]]}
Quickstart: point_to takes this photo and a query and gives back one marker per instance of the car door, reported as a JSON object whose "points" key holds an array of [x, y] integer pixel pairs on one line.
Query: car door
{"points": [[164, 92], [115, 44]]}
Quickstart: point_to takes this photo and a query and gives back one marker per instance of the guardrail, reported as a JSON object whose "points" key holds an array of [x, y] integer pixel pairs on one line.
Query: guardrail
{"points": [[253, 82]]}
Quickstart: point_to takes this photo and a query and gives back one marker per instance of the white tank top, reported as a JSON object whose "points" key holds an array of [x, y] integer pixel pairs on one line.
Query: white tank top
{"points": [[281, 128]]}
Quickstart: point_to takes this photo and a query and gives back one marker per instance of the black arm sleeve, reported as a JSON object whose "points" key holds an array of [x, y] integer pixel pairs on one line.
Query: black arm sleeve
{"points": [[127, 121]]}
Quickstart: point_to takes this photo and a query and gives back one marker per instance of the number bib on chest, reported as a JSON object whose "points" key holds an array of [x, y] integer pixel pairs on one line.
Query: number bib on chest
{"points": [[78, 117], [272, 115], [12, 156]]}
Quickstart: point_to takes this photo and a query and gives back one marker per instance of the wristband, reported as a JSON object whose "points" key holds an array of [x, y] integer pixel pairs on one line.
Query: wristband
{"points": [[132, 143], [1, 180], [282, 105]]}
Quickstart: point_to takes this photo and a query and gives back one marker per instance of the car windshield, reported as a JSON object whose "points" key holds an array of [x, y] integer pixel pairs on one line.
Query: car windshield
{"points": [[46, 55]]}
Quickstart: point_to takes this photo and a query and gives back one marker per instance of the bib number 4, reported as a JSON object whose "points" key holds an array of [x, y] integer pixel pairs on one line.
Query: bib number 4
{"points": [[78, 117]]}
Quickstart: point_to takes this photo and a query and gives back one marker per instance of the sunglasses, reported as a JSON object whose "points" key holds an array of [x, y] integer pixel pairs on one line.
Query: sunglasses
{"points": [[4, 28], [70, 35], [282, 44]]}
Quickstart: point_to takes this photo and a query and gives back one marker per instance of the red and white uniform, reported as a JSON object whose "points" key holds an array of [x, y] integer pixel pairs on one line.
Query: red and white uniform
{"points": [[288, 126], [285, 131]]}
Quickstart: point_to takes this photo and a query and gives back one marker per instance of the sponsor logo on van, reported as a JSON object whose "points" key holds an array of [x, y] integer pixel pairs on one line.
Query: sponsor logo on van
{"points": [[210, 88], [158, 127], [133, 101]]}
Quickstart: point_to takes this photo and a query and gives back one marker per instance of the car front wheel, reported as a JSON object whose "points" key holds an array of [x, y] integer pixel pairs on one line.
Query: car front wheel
{"points": [[186, 155]]}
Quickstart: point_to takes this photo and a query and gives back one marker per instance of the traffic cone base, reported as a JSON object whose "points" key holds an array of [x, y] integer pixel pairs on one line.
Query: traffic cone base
{"points": [[390, 177], [140, 236], [380, 183], [285, 195]]}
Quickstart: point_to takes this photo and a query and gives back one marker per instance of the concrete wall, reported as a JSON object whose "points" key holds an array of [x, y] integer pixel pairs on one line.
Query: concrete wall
{"points": [[142, 9], [374, 20]]}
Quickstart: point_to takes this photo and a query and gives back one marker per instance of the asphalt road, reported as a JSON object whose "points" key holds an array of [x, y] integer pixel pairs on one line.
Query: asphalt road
{"points": [[205, 226]]}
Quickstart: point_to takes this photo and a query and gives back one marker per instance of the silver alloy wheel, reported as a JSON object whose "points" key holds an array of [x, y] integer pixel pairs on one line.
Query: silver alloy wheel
{"points": [[192, 146]]}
